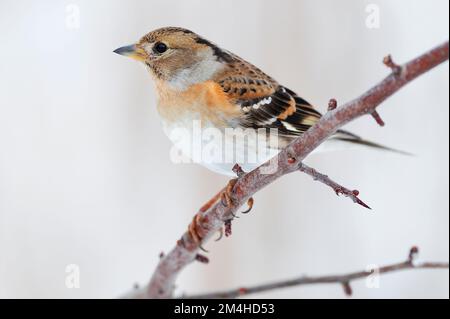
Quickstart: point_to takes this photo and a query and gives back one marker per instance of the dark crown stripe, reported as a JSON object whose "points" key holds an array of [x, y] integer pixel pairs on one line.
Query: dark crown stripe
{"points": [[218, 52]]}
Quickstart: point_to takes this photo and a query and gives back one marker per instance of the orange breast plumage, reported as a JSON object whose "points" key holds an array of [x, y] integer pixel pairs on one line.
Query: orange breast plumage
{"points": [[204, 101]]}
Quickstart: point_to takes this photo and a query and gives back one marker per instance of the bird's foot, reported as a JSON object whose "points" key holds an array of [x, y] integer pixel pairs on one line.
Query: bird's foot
{"points": [[227, 194], [195, 230]]}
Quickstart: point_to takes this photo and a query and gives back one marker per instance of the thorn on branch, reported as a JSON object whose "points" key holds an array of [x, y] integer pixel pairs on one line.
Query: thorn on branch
{"points": [[360, 202], [180, 243], [228, 228], [237, 169], [332, 105], [161, 255], [243, 291], [378, 118], [347, 288], [414, 251], [202, 259], [389, 62]]}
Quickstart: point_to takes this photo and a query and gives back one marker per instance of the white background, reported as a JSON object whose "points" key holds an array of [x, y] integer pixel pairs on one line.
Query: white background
{"points": [[85, 175]]}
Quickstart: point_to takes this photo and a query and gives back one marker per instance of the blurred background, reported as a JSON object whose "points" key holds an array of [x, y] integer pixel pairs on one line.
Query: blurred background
{"points": [[87, 187]]}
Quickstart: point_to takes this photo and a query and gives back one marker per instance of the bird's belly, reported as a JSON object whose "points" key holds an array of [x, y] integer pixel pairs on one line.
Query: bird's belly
{"points": [[197, 141]]}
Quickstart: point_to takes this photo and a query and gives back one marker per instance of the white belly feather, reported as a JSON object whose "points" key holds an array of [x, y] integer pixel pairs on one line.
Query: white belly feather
{"points": [[218, 150]]}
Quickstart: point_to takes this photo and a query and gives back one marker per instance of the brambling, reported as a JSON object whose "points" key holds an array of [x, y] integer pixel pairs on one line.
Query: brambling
{"points": [[198, 82]]}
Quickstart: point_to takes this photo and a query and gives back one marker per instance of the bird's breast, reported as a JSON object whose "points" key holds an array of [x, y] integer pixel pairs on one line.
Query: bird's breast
{"points": [[204, 101]]}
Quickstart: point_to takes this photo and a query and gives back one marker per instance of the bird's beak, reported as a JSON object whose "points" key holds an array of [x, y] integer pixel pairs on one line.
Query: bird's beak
{"points": [[132, 51]]}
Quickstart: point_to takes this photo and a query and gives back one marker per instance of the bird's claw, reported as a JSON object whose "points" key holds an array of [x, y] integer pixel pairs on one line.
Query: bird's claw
{"points": [[250, 203], [220, 234], [227, 195], [194, 231]]}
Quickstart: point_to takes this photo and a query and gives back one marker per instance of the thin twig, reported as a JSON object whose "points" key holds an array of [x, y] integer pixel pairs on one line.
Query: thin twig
{"points": [[377, 118], [163, 280], [343, 280], [338, 189]]}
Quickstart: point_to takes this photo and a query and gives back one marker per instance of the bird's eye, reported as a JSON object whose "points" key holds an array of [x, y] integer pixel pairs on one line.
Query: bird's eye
{"points": [[160, 48]]}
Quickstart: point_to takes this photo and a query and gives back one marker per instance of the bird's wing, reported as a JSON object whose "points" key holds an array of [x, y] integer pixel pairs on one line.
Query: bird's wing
{"points": [[265, 103]]}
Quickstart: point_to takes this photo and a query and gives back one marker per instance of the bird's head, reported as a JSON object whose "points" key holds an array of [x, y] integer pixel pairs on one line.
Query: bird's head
{"points": [[178, 56]]}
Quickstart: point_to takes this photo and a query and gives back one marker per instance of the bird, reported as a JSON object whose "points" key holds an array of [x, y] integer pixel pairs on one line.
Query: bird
{"points": [[204, 88]]}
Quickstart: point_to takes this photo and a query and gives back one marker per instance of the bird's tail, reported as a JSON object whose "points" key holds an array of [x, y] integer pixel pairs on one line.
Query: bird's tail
{"points": [[348, 137]]}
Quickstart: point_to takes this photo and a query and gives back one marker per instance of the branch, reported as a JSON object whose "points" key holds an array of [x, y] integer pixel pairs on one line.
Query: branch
{"points": [[338, 189], [287, 161], [343, 280]]}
